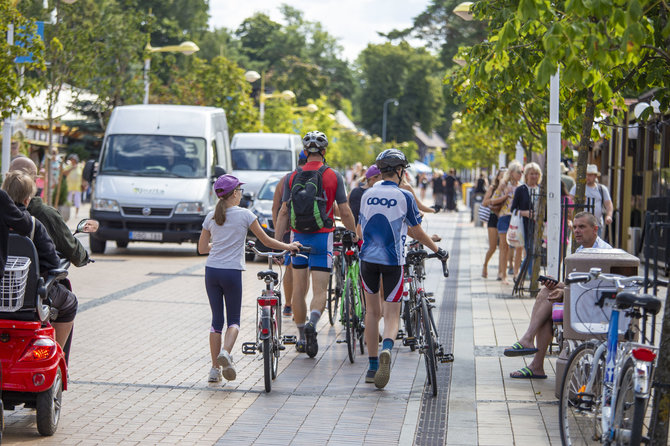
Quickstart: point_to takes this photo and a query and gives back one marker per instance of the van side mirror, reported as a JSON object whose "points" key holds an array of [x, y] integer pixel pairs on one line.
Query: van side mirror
{"points": [[89, 171], [218, 171]]}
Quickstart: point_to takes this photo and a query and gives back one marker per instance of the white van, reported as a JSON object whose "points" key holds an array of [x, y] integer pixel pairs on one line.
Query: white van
{"points": [[155, 173], [258, 156]]}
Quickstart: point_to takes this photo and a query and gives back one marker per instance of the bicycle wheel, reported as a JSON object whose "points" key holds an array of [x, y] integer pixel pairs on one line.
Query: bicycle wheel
{"points": [[629, 417], [275, 342], [407, 322], [332, 292], [579, 414], [267, 363], [428, 347], [349, 319]]}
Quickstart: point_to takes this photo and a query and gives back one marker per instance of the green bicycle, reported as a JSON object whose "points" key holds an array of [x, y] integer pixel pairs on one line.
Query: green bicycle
{"points": [[352, 310]]}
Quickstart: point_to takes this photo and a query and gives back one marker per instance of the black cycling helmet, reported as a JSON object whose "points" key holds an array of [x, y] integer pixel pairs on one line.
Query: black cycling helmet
{"points": [[389, 159], [315, 142]]}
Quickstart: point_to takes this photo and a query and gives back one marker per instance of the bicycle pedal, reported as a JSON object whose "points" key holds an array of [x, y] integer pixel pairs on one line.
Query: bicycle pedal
{"points": [[409, 341], [431, 300], [446, 358], [289, 339], [249, 348], [429, 294]]}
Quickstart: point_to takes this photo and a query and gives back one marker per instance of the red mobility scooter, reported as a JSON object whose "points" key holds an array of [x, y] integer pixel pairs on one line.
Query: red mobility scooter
{"points": [[34, 368]]}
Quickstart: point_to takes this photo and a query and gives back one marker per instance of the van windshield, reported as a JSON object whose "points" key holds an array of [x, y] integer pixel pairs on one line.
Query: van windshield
{"points": [[262, 159], [155, 156]]}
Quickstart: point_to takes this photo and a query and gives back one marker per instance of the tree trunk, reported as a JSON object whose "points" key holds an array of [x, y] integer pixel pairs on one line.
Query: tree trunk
{"points": [[584, 145], [660, 417]]}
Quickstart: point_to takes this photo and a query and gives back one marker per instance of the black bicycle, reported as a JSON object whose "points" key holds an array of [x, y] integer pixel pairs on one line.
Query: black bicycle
{"points": [[420, 328]]}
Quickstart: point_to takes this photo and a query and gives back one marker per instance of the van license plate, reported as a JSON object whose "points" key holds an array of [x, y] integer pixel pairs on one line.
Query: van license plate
{"points": [[140, 235]]}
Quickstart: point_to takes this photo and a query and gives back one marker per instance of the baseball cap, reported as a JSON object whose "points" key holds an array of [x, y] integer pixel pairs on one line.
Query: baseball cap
{"points": [[372, 171], [225, 184]]}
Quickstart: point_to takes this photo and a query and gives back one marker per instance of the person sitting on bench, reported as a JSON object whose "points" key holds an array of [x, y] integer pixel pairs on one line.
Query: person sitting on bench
{"points": [[540, 328]]}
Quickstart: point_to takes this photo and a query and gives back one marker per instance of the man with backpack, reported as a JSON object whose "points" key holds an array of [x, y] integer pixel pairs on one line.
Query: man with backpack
{"points": [[308, 203]]}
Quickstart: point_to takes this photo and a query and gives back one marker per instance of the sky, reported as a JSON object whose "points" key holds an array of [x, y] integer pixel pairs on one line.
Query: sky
{"points": [[353, 22]]}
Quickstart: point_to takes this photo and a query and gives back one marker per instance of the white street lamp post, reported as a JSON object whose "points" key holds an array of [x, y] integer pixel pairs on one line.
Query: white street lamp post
{"points": [[251, 77], [386, 103], [186, 48]]}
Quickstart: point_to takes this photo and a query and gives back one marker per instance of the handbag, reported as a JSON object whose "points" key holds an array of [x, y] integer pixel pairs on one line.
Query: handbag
{"points": [[484, 213], [515, 235]]}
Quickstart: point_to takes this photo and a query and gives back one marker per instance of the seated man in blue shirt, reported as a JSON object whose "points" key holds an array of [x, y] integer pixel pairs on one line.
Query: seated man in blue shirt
{"points": [[540, 329]]}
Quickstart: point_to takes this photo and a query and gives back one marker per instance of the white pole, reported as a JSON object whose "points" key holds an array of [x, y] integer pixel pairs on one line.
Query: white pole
{"points": [[502, 159], [147, 67], [8, 123], [553, 179]]}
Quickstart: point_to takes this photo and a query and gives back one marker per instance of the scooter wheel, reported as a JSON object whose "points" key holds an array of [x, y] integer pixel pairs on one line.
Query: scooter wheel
{"points": [[48, 407]]}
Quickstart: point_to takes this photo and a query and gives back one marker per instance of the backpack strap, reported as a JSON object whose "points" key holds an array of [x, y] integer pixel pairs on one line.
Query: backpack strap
{"points": [[602, 196]]}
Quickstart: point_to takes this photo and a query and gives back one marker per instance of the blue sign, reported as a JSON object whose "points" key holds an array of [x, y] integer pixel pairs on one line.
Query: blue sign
{"points": [[29, 57]]}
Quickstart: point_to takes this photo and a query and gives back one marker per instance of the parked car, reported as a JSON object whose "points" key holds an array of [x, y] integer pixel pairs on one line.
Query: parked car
{"points": [[262, 207]]}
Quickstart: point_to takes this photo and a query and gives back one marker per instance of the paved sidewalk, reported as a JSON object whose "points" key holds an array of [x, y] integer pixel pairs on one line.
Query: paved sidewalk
{"points": [[140, 362]]}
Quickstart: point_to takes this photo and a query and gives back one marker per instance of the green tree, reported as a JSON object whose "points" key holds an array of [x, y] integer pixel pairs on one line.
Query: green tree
{"points": [[410, 75], [13, 94]]}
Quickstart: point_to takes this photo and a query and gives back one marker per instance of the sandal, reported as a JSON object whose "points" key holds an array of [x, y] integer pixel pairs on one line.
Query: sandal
{"points": [[519, 350], [526, 373]]}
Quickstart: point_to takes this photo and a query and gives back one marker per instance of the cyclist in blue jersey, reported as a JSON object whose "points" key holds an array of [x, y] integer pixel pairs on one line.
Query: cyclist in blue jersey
{"points": [[388, 215]]}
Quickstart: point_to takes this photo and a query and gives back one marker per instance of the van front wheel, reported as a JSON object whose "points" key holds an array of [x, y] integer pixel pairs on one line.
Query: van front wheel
{"points": [[97, 245]]}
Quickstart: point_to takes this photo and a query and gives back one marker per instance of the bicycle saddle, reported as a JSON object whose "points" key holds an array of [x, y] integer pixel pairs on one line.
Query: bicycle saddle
{"points": [[627, 299], [268, 273]]}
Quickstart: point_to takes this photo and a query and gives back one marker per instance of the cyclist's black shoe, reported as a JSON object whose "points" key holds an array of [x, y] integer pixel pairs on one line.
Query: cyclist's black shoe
{"points": [[300, 346], [311, 346], [370, 376], [384, 373]]}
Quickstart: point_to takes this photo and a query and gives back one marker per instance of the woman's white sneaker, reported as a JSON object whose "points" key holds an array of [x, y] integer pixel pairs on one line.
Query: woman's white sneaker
{"points": [[226, 362], [214, 375]]}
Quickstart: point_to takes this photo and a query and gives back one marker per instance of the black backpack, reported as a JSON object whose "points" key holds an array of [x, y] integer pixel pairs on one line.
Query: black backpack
{"points": [[307, 203]]}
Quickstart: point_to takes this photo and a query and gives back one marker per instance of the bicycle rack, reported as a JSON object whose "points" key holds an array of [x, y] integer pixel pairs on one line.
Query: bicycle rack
{"points": [[249, 348], [288, 339]]}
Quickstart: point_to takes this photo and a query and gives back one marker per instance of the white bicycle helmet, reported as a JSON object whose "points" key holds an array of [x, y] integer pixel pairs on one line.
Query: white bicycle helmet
{"points": [[315, 142]]}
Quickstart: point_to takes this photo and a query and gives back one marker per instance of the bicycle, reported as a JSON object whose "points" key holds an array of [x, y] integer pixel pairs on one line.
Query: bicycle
{"points": [[418, 315], [338, 275], [269, 339], [352, 310], [605, 388]]}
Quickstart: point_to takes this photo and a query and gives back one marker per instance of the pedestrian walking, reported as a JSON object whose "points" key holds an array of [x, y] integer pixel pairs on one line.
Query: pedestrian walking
{"points": [[603, 208], [526, 200], [503, 197], [310, 194], [450, 186], [372, 175], [492, 224], [383, 228], [73, 176], [438, 190], [223, 234]]}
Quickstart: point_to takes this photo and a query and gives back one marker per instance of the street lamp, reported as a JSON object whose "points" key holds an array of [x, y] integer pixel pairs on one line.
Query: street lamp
{"points": [[186, 48], [386, 103], [251, 77]]}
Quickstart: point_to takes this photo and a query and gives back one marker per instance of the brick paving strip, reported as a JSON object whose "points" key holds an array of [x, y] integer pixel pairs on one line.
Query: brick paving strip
{"points": [[432, 425]]}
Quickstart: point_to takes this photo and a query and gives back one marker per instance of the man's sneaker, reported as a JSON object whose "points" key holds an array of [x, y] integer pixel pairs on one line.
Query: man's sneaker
{"points": [[287, 311], [214, 375], [300, 346], [384, 373], [370, 376], [311, 346], [226, 362]]}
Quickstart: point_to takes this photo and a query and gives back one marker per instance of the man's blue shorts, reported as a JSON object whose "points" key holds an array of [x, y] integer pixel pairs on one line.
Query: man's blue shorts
{"points": [[320, 258]]}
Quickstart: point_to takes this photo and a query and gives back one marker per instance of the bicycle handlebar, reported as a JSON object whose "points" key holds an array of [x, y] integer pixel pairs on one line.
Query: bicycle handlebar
{"points": [[420, 254], [251, 245], [596, 273]]}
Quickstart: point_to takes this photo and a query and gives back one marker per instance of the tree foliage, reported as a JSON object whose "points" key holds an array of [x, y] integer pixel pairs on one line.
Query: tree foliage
{"points": [[410, 75]]}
